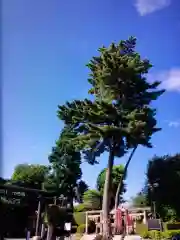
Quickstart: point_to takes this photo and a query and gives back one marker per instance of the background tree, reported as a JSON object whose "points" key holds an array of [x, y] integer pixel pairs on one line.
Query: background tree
{"points": [[92, 199], [81, 188], [120, 117], [32, 175], [65, 162], [117, 173], [140, 200], [163, 177]]}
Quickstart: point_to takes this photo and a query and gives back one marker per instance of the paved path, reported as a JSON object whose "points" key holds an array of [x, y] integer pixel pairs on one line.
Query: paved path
{"points": [[91, 237], [116, 237]]}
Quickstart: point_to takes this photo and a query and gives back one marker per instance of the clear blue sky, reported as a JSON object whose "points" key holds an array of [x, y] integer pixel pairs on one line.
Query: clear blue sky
{"points": [[46, 45]]}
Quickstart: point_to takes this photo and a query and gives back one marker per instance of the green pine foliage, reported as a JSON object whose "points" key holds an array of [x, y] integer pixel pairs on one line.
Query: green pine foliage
{"points": [[120, 116]]}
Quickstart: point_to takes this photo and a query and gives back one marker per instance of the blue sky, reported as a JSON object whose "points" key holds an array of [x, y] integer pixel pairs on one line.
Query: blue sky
{"points": [[46, 45]]}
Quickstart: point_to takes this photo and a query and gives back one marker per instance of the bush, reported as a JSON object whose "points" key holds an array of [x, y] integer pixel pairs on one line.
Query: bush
{"points": [[80, 218], [158, 235], [80, 208], [171, 233], [145, 234], [81, 228], [154, 234], [57, 215], [91, 227], [86, 206]]}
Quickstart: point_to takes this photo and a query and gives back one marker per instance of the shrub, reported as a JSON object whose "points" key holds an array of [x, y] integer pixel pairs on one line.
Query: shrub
{"points": [[153, 234], [57, 215], [80, 208], [171, 233], [91, 227], [81, 228], [80, 218], [157, 235], [145, 234]]}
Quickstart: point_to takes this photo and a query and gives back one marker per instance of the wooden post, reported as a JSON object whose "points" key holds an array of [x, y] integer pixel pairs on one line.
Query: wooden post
{"points": [[28, 235], [101, 223], [38, 218], [86, 222], [145, 217], [49, 233], [126, 222], [42, 230]]}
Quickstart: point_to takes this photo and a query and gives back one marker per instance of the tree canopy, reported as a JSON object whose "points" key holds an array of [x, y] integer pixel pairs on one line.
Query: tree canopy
{"points": [[163, 177], [140, 200], [81, 188], [66, 172], [32, 175], [120, 110], [117, 174], [92, 199]]}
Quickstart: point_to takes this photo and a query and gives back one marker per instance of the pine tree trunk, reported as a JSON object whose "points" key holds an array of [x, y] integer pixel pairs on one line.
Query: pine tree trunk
{"points": [[51, 232], [119, 189], [70, 198], [38, 218], [106, 196]]}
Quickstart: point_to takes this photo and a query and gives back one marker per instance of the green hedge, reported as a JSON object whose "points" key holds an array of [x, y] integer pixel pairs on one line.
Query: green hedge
{"points": [[81, 228], [79, 218], [80, 208], [91, 228], [151, 234], [168, 234], [57, 215], [171, 233], [80, 221]]}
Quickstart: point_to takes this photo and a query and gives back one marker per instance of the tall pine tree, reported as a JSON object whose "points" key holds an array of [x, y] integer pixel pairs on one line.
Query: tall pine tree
{"points": [[120, 116]]}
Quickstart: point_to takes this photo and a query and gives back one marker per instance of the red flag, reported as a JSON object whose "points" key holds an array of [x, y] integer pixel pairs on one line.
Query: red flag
{"points": [[129, 219], [118, 219]]}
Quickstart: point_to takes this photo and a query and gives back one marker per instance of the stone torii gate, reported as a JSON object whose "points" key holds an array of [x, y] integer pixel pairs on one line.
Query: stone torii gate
{"points": [[134, 213]]}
